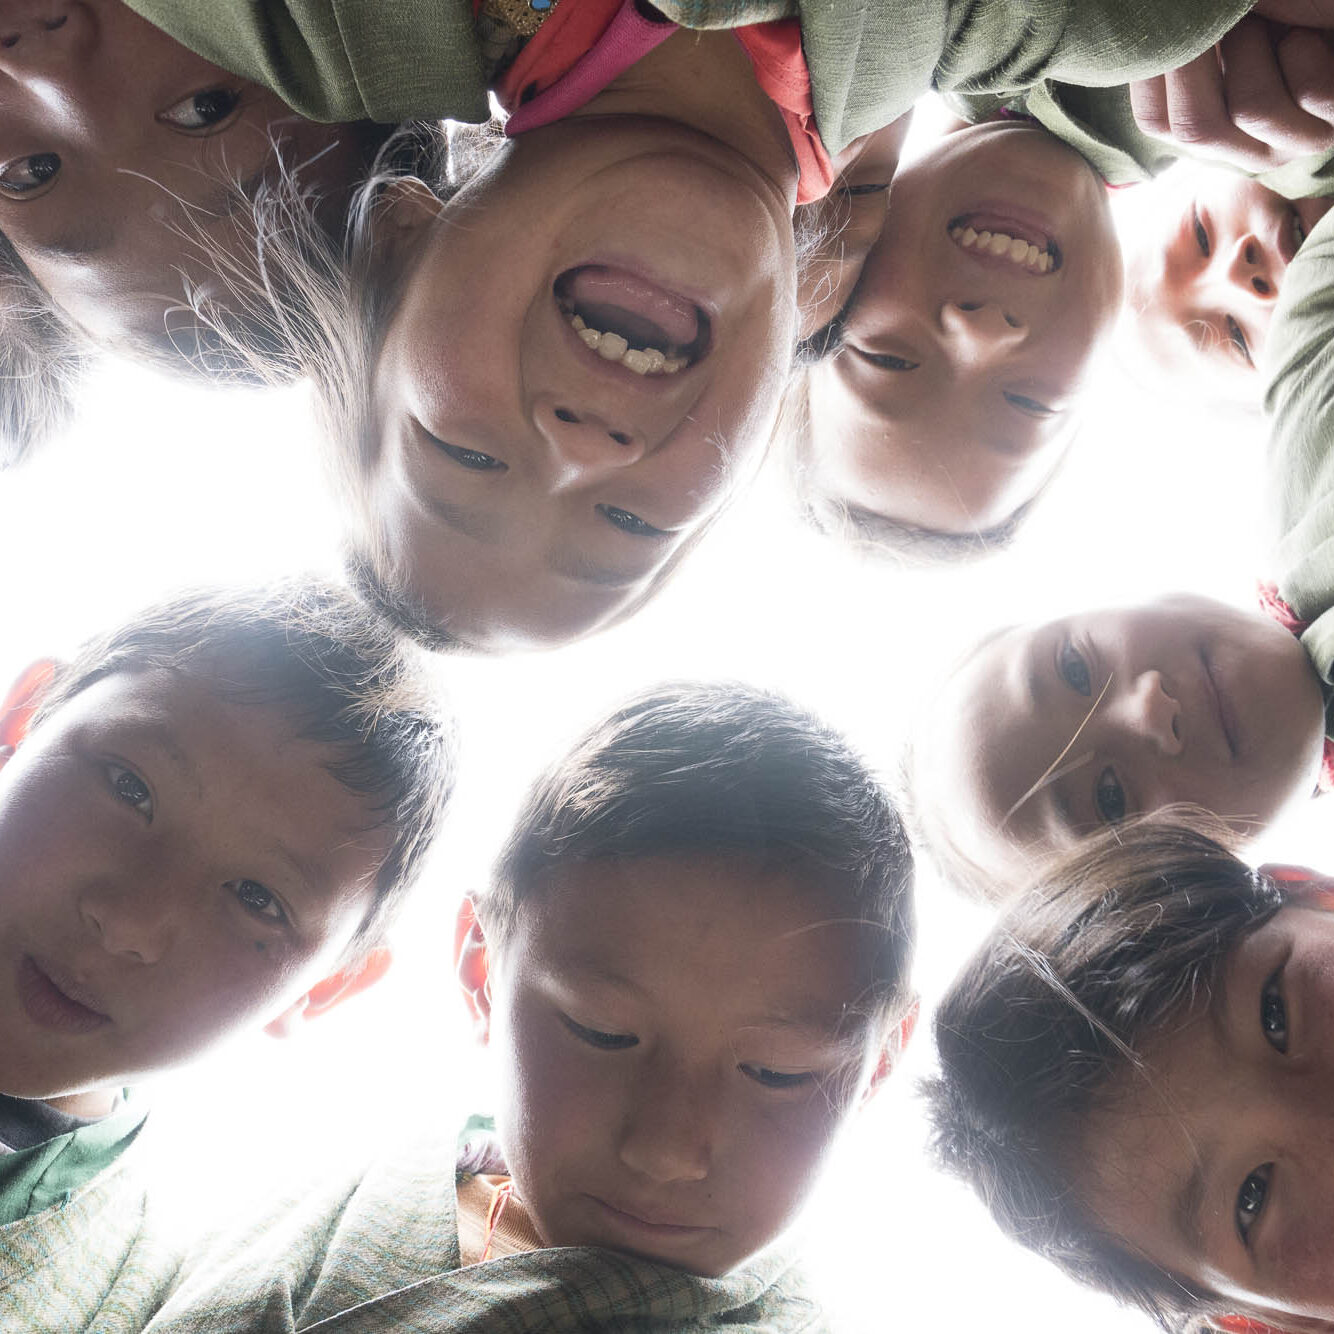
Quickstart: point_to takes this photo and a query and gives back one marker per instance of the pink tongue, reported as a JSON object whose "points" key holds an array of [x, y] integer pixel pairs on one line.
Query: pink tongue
{"points": [[673, 315]]}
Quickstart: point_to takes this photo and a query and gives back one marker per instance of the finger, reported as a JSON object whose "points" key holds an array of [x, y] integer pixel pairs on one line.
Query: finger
{"points": [[1306, 60], [1148, 105], [1198, 114], [1306, 13], [1258, 98]]}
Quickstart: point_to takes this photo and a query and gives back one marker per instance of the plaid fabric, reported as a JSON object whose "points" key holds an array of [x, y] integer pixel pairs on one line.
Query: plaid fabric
{"points": [[95, 1263], [381, 1254]]}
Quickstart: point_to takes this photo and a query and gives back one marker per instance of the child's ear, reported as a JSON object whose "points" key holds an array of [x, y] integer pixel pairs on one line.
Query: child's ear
{"points": [[897, 1041], [23, 700], [333, 990], [405, 209], [472, 960]]}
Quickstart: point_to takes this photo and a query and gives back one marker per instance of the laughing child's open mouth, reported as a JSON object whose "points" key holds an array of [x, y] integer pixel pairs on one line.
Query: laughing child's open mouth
{"points": [[632, 321]]}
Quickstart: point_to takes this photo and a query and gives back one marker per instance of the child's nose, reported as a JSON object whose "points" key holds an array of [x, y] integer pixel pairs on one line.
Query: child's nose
{"points": [[44, 30], [1257, 269], [584, 443], [1150, 711], [133, 920], [668, 1135], [981, 330]]}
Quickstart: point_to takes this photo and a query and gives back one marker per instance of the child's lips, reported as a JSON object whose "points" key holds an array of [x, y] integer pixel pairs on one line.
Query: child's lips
{"points": [[649, 1222], [65, 1006]]}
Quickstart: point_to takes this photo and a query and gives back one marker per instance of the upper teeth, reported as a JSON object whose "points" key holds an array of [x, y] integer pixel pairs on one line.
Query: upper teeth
{"points": [[643, 361], [1014, 248]]}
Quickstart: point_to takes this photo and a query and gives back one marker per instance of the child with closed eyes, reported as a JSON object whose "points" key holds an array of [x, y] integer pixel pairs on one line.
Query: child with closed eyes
{"points": [[1136, 1078]]}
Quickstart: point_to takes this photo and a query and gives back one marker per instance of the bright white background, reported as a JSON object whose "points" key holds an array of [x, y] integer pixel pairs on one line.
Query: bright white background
{"points": [[160, 484]]}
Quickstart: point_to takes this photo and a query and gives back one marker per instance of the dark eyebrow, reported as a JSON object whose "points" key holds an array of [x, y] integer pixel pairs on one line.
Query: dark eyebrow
{"points": [[461, 519], [159, 736], [89, 238], [576, 566], [1187, 1205]]}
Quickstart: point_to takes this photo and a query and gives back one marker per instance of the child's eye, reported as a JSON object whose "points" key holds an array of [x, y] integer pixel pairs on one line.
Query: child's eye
{"points": [[1074, 669], [130, 789], [602, 1041], [1274, 1013], [777, 1079], [1238, 340], [254, 898], [201, 111], [1031, 406], [1251, 1200], [1109, 797], [886, 361], [470, 458], [630, 523], [1201, 236], [22, 175]]}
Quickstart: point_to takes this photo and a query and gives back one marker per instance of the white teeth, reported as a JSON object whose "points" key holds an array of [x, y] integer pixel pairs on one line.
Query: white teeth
{"points": [[612, 346], [1014, 248]]}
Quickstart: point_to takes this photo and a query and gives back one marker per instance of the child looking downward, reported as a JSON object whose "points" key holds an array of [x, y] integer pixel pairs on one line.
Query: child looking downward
{"points": [[690, 968], [206, 820]]}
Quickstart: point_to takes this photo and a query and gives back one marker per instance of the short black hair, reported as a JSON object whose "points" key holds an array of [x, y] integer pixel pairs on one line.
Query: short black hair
{"points": [[335, 670], [1119, 938], [720, 768]]}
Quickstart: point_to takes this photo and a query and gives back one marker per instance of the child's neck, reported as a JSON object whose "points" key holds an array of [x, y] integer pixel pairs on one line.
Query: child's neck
{"points": [[705, 80], [88, 1106]]}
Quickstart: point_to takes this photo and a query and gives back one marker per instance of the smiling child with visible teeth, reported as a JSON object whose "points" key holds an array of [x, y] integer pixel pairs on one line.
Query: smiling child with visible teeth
{"points": [[939, 395]]}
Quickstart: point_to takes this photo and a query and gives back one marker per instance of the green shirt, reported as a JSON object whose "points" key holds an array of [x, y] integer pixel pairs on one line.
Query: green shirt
{"points": [[1299, 463], [50, 1173], [869, 60], [380, 1253], [1099, 123]]}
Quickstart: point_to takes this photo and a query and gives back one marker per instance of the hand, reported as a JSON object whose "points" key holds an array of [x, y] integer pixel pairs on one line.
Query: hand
{"points": [[1262, 97]]}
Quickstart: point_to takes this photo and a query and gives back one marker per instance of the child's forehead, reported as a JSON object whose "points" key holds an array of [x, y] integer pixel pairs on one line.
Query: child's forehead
{"points": [[731, 924]]}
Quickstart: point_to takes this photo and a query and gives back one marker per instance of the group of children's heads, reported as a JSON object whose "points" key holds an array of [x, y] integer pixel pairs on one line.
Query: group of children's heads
{"points": [[692, 963]]}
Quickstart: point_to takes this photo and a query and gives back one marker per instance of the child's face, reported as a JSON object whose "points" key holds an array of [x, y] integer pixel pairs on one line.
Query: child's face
{"points": [[112, 137], [528, 489], [951, 398], [679, 1042], [1217, 1160], [1124, 711], [1205, 280], [173, 866]]}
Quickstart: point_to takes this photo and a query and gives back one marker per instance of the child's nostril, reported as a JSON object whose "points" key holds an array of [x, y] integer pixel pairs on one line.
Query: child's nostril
{"points": [[1176, 728], [1011, 321], [565, 415], [9, 39], [620, 437], [970, 305], [52, 24], [1260, 286], [1250, 252]]}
